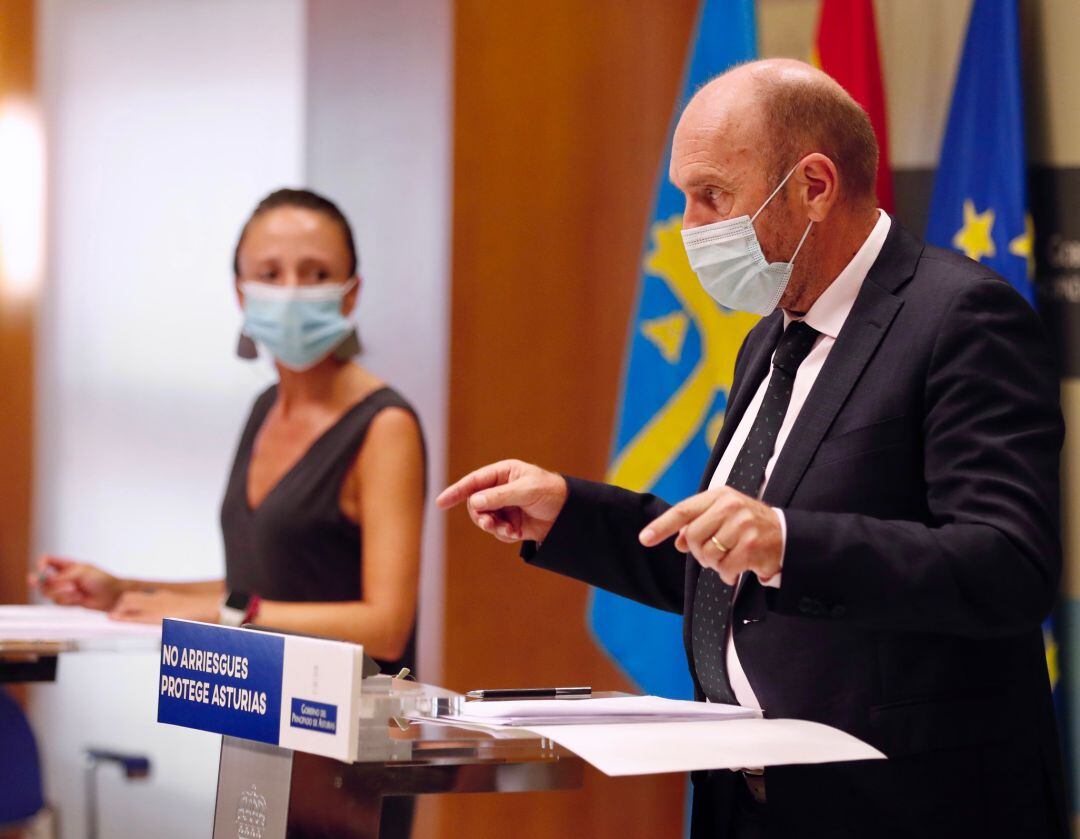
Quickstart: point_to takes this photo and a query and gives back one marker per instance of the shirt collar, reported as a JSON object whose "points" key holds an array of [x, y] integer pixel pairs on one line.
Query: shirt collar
{"points": [[831, 309]]}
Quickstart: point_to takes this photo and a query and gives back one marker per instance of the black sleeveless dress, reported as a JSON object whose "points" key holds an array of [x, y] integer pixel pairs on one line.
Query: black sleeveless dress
{"points": [[297, 545]]}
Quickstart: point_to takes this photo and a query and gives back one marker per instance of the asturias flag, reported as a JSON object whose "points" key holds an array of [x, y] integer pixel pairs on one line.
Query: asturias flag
{"points": [[846, 47], [980, 193], [681, 355]]}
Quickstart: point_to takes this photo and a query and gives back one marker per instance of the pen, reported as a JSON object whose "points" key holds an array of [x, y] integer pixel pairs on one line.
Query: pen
{"points": [[528, 693]]}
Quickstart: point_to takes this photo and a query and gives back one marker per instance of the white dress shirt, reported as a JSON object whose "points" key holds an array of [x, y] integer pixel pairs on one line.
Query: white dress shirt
{"points": [[827, 316]]}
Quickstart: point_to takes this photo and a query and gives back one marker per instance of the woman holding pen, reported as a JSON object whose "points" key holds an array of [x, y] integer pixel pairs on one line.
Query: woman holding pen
{"points": [[323, 509]]}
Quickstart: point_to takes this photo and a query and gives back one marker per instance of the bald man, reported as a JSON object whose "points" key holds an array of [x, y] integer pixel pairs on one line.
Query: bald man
{"points": [[875, 541]]}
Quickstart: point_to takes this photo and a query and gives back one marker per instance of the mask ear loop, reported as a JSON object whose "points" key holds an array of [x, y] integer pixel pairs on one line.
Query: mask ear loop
{"points": [[803, 239], [351, 346], [773, 195]]}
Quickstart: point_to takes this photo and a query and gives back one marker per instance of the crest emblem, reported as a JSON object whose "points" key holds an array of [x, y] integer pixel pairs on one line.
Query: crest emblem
{"points": [[251, 814]]}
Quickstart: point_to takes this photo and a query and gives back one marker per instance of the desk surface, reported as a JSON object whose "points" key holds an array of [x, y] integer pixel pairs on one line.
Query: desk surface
{"points": [[72, 627], [31, 638]]}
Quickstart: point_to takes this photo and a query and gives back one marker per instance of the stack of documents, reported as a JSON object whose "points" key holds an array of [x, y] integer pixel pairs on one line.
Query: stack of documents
{"points": [[75, 627], [620, 709], [641, 735], [651, 748]]}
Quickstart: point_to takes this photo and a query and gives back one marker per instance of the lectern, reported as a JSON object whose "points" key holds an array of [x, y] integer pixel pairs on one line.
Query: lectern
{"points": [[269, 792]]}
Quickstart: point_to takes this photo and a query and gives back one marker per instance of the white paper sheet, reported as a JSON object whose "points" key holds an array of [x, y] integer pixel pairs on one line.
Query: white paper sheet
{"points": [[607, 710], [652, 748], [498, 732], [83, 628]]}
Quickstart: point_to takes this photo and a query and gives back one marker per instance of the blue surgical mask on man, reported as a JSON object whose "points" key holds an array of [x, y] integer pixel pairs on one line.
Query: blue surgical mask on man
{"points": [[299, 325], [727, 258]]}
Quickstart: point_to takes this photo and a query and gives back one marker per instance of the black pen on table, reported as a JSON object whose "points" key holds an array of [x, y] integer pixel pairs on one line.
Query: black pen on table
{"points": [[528, 693]]}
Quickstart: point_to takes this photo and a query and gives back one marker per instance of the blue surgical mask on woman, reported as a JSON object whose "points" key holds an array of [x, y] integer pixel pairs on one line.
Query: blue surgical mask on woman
{"points": [[727, 258], [299, 325]]}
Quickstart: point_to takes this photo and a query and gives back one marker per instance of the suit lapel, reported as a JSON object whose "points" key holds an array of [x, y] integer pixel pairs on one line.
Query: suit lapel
{"points": [[866, 325]]}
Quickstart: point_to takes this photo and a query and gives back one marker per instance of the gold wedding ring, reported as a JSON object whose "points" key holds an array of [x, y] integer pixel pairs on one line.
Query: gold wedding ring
{"points": [[720, 546]]}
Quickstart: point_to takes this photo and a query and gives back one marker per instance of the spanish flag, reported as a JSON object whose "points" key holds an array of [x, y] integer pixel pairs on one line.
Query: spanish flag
{"points": [[846, 48]]}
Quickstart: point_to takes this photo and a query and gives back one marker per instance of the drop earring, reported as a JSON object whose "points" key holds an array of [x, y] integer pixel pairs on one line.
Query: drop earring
{"points": [[245, 347], [350, 347]]}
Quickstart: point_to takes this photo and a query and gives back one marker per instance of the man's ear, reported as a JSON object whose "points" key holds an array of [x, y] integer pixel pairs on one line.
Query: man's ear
{"points": [[819, 183]]}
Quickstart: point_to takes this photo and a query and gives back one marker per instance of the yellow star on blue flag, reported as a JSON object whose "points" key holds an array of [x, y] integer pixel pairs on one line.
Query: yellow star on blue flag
{"points": [[974, 239], [980, 201], [1023, 245], [979, 206]]}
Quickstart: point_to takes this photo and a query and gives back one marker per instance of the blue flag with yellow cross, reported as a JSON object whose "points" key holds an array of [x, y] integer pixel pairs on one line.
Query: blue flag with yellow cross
{"points": [[980, 200], [680, 359]]}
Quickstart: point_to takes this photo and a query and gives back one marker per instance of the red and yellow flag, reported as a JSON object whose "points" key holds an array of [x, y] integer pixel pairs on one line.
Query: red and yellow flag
{"points": [[846, 48]]}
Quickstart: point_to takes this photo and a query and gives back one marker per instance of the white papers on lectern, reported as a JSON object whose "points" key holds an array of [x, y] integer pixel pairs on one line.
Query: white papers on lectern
{"points": [[605, 710], [644, 735], [652, 748]]}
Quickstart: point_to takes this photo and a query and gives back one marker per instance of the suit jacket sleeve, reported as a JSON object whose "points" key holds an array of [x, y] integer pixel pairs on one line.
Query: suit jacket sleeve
{"points": [[595, 540], [988, 560]]}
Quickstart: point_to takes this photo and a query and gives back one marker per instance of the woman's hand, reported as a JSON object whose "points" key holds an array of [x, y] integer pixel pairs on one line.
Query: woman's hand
{"points": [[71, 583], [151, 605]]}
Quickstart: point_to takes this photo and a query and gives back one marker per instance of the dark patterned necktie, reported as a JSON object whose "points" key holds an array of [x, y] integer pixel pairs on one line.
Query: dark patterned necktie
{"points": [[712, 597]]}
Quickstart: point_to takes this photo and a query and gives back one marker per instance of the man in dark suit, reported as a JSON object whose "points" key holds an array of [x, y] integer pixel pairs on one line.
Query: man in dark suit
{"points": [[875, 543]]}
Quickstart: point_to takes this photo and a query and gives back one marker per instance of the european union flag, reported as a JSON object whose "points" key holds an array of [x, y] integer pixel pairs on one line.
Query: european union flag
{"points": [[980, 192], [681, 355]]}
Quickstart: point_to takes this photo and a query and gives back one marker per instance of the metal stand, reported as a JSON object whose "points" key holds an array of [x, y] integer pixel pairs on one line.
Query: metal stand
{"points": [[272, 793], [134, 767]]}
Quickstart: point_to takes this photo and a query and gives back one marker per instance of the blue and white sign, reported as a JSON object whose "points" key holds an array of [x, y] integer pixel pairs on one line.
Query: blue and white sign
{"points": [[313, 715], [298, 693]]}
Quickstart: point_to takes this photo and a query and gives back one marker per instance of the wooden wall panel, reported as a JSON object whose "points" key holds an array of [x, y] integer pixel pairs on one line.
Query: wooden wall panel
{"points": [[561, 113], [16, 340]]}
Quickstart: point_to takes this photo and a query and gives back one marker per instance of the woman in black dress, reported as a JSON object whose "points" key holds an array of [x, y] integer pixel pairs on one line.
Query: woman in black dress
{"points": [[323, 511]]}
